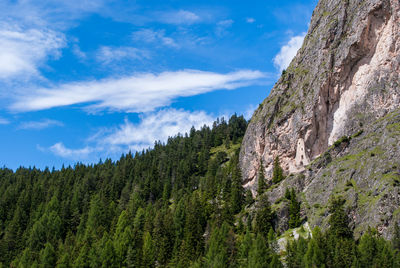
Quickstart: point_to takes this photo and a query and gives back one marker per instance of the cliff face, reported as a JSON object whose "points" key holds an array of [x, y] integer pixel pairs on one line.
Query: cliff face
{"points": [[343, 79]]}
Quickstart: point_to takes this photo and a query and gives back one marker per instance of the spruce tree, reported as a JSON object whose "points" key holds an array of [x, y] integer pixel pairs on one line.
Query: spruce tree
{"points": [[277, 173], [259, 255], [339, 221], [294, 211], [262, 186], [264, 216]]}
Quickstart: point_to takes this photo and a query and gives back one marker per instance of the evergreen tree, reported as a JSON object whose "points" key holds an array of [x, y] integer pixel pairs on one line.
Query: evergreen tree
{"points": [[148, 253], [262, 186], [339, 221], [367, 249], [315, 255], [294, 210], [277, 172], [264, 216], [48, 257], [244, 248], [259, 255]]}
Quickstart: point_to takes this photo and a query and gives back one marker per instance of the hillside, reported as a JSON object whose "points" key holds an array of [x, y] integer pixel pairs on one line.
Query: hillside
{"points": [[344, 81]]}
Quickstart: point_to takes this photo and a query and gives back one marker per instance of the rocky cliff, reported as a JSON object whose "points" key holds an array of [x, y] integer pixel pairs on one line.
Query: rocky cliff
{"points": [[343, 82]]}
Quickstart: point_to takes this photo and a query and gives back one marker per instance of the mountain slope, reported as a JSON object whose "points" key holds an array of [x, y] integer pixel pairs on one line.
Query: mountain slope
{"points": [[343, 79]]}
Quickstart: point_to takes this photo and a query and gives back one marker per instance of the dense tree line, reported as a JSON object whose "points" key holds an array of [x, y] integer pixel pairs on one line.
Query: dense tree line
{"points": [[179, 204], [338, 248]]}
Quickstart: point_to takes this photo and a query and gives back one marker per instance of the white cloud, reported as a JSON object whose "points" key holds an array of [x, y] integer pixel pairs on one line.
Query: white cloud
{"points": [[78, 52], [37, 125], [107, 55], [178, 17], [157, 126], [222, 27], [23, 51], [48, 13], [4, 121], [288, 52], [250, 20], [150, 36], [76, 154], [137, 93], [153, 126]]}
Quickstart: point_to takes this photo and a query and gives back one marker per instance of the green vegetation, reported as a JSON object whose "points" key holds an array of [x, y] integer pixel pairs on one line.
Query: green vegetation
{"points": [[177, 205], [277, 175], [180, 204], [337, 248], [294, 208], [262, 186]]}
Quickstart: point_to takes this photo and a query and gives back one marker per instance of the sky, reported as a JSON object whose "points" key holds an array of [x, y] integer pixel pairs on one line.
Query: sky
{"points": [[87, 80]]}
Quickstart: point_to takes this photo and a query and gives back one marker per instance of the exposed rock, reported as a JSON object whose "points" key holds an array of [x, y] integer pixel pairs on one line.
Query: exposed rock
{"points": [[344, 78]]}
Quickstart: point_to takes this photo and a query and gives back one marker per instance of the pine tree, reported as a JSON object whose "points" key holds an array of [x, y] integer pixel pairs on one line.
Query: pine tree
{"points": [[148, 253], [48, 256], [294, 210], [277, 173], [367, 249], [262, 186], [244, 248], [339, 221], [218, 252], [315, 255], [264, 216], [259, 255], [249, 197]]}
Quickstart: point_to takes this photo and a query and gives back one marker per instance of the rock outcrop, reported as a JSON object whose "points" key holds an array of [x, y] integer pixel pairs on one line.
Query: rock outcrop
{"points": [[343, 80]]}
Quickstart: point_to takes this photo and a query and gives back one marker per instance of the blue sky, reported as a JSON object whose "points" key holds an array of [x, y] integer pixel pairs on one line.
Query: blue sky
{"points": [[84, 80]]}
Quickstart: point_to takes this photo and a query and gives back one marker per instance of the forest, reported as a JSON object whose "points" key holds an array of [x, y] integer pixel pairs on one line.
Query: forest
{"points": [[179, 204]]}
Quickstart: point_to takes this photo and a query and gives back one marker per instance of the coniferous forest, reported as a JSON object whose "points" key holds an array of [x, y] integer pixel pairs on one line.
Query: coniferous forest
{"points": [[180, 204]]}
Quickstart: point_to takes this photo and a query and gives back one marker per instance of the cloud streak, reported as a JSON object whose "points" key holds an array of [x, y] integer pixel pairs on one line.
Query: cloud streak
{"points": [[137, 93], [288, 52], [151, 36], [38, 125], [4, 121], [59, 149], [178, 17], [107, 55]]}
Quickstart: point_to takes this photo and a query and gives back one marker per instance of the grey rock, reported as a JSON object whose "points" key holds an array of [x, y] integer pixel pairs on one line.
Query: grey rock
{"points": [[345, 78]]}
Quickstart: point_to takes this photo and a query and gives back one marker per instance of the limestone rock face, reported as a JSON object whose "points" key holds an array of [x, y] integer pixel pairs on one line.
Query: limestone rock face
{"points": [[345, 77]]}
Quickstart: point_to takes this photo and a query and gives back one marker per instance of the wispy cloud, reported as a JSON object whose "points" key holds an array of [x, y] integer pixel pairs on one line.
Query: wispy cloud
{"points": [[4, 121], [76, 50], [59, 149], [288, 52], [152, 126], [157, 126], [222, 27], [137, 93], [38, 125], [250, 20], [151, 36], [23, 51], [48, 13], [178, 17], [107, 55]]}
